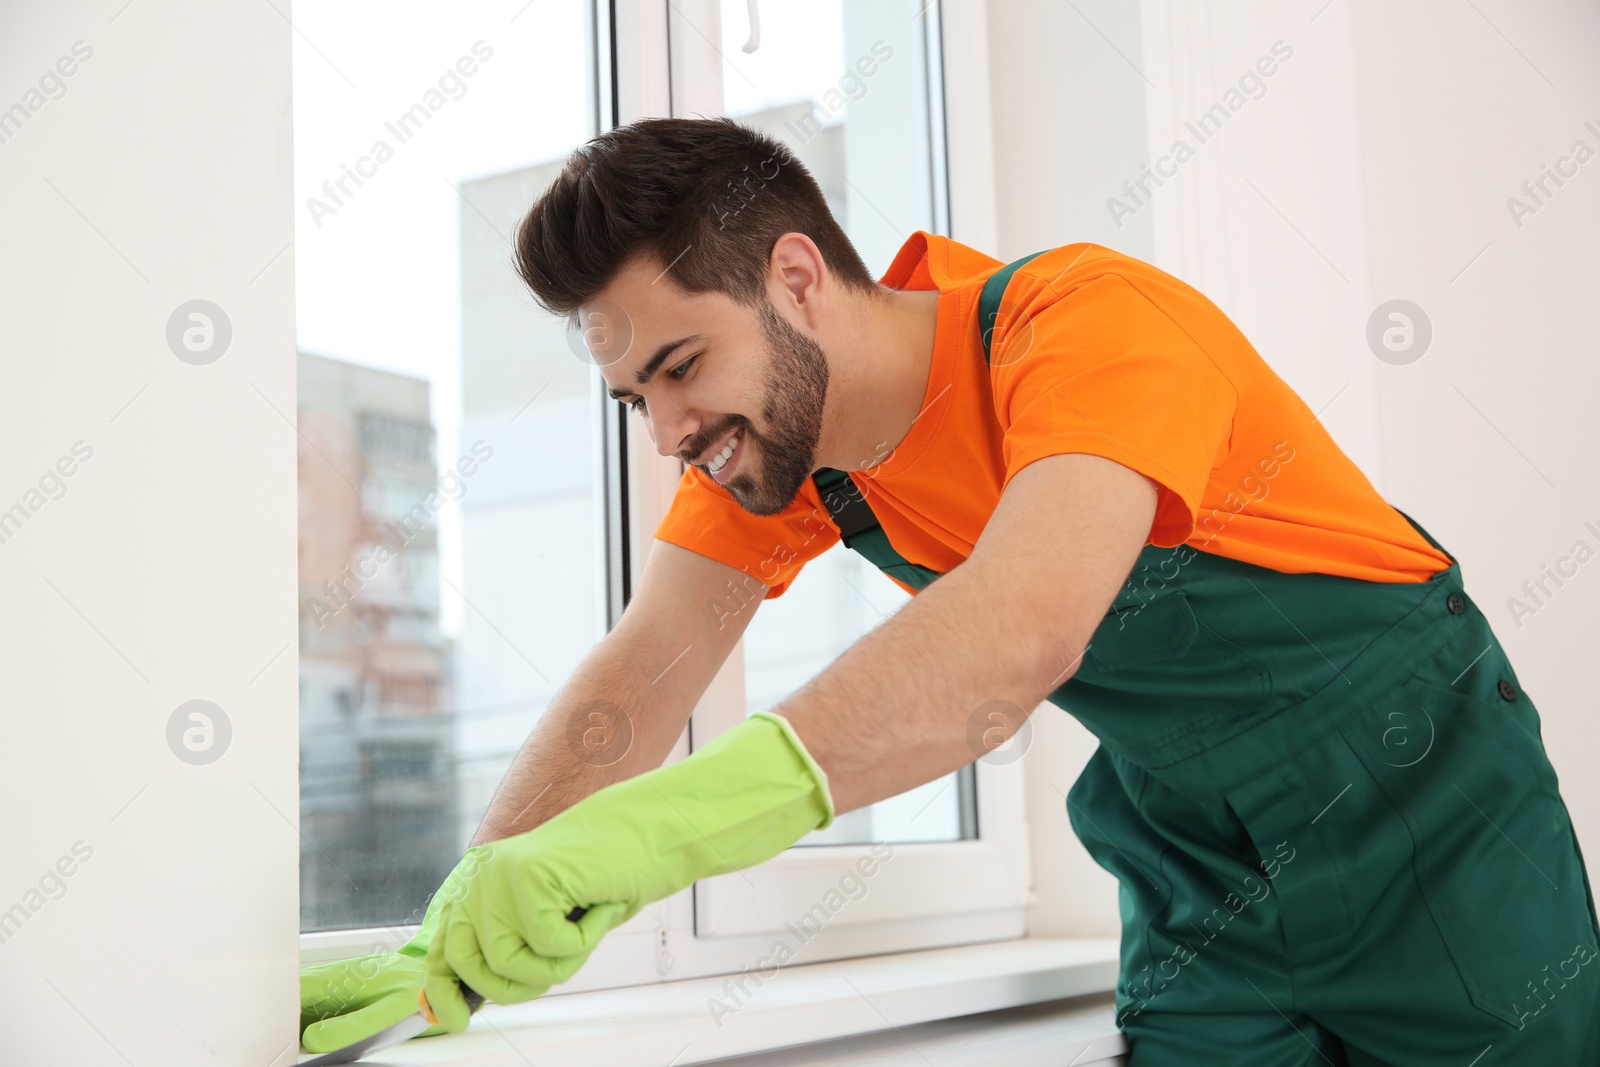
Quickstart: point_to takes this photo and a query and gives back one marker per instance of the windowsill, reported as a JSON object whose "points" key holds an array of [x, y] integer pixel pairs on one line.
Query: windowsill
{"points": [[671, 1022]]}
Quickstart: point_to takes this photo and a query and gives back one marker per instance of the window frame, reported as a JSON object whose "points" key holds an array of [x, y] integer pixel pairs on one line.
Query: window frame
{"points": [[932, 894]]}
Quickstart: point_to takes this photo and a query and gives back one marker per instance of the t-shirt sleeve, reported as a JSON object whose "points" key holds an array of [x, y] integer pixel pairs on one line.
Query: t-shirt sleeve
{"points": [[705, 518], [1102, 369]]}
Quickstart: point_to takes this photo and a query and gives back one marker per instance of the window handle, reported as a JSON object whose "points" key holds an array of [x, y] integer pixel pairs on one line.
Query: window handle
{"points": [[755, 25]]}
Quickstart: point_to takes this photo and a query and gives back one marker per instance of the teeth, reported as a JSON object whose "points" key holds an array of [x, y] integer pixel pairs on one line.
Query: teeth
{"points": [[719, 460]]}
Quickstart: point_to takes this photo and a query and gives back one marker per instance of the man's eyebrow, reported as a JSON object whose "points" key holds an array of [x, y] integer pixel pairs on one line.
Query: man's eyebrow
{"points": [[653, 364]]}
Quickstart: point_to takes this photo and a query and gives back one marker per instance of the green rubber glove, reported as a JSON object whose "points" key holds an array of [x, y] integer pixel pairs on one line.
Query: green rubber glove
{"points": [[745, 797], [346, 1000]]}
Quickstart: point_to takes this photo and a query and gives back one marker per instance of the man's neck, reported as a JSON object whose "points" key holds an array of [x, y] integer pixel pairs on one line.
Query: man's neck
{"points": [[878, 377]]}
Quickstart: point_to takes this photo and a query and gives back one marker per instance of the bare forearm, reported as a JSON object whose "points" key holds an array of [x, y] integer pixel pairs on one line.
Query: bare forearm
{"points": [[1010, 624], [904, 704], [608, 722]]}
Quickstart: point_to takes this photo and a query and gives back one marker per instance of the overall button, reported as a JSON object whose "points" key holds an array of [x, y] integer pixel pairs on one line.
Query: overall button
{"points": [[1455, 603], [1507, 690]]}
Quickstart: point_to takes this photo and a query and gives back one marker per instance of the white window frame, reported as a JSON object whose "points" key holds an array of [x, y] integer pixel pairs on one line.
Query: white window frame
{"points": [[930, 895]]}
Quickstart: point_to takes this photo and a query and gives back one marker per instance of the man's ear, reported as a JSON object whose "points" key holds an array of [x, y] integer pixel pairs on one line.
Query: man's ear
{"points": [[799, 277]]}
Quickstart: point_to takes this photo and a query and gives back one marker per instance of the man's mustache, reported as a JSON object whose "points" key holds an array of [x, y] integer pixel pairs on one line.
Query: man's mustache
{"points": [[699, 448]]}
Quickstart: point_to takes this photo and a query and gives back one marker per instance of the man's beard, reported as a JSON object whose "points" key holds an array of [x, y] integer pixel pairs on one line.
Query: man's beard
{"points": [[796, 390]]}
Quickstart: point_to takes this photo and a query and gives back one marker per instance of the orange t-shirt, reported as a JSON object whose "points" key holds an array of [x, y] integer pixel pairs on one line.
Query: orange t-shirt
{"points": [[1093, 351]]}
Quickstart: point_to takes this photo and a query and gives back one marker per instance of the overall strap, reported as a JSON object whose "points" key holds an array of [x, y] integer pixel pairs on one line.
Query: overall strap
{"points": [[858, 526], [989, 299], [860, 530], [844, 503]]}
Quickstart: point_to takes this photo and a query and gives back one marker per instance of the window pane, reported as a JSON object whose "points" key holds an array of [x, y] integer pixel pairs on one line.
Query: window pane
{"points": [[851, 88], [448, 561]]}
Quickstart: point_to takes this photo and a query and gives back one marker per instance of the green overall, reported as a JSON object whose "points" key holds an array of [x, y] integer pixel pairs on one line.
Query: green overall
{"points": [[1327, 803]]}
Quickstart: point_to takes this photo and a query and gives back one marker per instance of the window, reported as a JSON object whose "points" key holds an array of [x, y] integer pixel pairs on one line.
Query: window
{"points": [[471, 501], [855, 90], [851, 89], [449, 515]]}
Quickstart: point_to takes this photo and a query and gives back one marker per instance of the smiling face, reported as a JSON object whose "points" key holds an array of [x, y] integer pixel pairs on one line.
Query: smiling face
{"points": [[707, 373]]}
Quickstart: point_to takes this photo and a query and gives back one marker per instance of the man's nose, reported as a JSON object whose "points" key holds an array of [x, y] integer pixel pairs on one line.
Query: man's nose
{"points": [[674, 432]]}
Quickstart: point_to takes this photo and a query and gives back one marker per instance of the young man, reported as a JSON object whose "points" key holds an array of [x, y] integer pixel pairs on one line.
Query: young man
{"points": [[1320, 784]]}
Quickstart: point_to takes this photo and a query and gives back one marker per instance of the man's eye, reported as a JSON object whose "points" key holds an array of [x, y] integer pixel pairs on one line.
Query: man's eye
{"points": [[677, 373]]}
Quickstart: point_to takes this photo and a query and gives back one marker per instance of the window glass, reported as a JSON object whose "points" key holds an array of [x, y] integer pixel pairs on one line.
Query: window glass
{"points": [[852, 89], [449, 574]]}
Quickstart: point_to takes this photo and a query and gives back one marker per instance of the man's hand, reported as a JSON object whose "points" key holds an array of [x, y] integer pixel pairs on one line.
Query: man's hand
{"points": [[347, 1000], [741, 799], [512, 941]]}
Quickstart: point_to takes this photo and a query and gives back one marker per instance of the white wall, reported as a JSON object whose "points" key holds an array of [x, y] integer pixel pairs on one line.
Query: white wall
{"points": [[166, 573], [1489, 439], [1375, 163], [1068, 129]]}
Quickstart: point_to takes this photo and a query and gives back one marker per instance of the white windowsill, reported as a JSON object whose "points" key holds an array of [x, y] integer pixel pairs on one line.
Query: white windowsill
{"points": [[671, 1023]]}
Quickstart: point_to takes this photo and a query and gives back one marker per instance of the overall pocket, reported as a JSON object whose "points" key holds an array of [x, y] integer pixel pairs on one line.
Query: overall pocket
{"points": [[1492, 844]]}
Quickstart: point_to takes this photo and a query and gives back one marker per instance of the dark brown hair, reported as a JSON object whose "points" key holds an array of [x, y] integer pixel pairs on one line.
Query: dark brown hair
{"points": [[706, 198]]}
